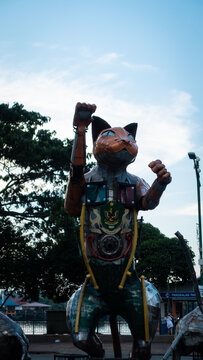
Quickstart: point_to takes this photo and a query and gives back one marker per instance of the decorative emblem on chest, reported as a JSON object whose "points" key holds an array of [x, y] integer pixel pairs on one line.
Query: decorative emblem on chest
{"points": [[111, 215], [110, 219]]}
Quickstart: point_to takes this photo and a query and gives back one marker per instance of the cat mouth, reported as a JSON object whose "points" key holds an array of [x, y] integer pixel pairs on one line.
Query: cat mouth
{"points": [[116, 159]]}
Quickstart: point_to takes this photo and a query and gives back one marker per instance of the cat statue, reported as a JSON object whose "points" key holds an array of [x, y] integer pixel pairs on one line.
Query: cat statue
{"points": [[107, 199]]}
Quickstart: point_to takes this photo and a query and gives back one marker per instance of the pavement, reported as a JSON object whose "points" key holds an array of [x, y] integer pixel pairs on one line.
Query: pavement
{"points": [[43, 347], [51, 357]]}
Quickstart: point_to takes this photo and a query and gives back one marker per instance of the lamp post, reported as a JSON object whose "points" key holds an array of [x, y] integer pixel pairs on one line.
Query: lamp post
{"points": [[196, 160]]}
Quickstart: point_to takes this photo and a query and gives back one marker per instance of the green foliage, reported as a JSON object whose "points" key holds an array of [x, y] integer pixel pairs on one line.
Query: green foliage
{"points": [[19, 263], [38, 239], [29, 157], [161, 258], [63, 268]]}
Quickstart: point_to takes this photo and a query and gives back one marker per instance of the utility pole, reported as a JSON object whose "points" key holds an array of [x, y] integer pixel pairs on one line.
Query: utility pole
{"points": [[196, 160]]}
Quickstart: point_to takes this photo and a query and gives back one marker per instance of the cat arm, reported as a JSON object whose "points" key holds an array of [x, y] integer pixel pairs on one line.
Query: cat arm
{"points": [[151, 199], [75, 186]]}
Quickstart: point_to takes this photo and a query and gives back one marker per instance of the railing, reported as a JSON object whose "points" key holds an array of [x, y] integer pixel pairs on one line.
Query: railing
{"points": [[33, 327], [40, 327], [104, 327]]}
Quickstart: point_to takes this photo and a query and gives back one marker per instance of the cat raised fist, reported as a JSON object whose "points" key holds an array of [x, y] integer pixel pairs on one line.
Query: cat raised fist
{"points": [[83, 113], [163, 176]]}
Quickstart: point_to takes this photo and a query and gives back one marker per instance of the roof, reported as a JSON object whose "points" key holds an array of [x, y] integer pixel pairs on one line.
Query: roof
{"points": [[9, 302], [18, 300], [35, 304]]}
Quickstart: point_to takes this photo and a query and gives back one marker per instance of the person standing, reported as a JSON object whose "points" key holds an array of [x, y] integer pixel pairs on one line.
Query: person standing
{"points": [[169, 323]]}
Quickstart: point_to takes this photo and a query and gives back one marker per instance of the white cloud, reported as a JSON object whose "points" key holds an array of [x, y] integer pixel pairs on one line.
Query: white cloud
{"points": [[38, 44], [139, 67], [47, 46], [164, 130], [108, 76], [189, 210], [108, 58]]}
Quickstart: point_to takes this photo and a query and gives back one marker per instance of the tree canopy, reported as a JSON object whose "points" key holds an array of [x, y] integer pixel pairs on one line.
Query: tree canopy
{"points": [[161, 259], [19, 263], [34, 167], [29, 158]]}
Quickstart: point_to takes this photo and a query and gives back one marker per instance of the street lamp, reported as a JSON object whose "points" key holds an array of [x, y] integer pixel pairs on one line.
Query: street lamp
{"points": [[196, 160]]}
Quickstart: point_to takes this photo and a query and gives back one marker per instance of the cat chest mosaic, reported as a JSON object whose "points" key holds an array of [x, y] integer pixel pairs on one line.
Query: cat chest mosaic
{"points": [[107, 237], [109, 224]]}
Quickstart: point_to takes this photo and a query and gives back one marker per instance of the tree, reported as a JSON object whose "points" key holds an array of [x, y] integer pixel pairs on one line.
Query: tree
{"points": [[30, 157], [161, 258], [34, 167], [63, 268], [19, 263]]}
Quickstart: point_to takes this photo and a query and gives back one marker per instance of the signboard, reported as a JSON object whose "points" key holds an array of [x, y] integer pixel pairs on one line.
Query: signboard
{"points": [[201, 290], [179, 295]]}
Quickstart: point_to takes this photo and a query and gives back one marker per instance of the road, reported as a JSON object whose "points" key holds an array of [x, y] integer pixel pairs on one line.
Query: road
{"points": [[51, 357]]}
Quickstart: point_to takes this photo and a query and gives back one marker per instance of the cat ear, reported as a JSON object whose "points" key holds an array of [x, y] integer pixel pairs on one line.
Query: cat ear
{"points": [[98, 125], [131, 128]]}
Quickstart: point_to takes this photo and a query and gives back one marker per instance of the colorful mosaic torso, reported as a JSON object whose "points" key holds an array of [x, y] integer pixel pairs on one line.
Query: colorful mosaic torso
{"points": [[109, 223]]}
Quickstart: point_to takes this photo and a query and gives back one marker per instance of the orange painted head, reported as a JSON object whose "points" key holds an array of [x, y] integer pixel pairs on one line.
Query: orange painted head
{"points": [[113, 146]]}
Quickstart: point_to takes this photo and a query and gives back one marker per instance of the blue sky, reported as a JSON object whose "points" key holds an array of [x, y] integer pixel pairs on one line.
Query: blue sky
{"points": [[136, 60]]}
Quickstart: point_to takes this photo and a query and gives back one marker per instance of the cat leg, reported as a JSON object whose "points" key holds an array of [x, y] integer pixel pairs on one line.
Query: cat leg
{"points": [[89, 343], [141, 350], [84, 310]]}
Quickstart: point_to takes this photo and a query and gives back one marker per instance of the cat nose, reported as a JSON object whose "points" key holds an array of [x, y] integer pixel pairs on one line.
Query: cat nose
{"points": [[126, 140]]}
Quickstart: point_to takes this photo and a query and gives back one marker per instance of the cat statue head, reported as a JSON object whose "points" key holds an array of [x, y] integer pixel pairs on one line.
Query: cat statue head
{"points": [[114, 147]]}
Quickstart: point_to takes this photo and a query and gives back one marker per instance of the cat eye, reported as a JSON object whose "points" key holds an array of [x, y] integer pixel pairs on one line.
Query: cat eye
{"points": [[108, 133], [131, 137]]}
